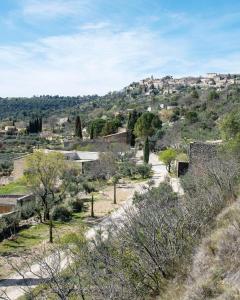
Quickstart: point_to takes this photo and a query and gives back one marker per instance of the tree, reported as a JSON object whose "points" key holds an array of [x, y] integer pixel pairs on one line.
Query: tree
{"points": [[89, 189], [115, 180], [43, 176], [91, 132], [146, 151], [110, 127], [96, 126], [35, 126], [230, 126], [78, 128], [108, 168], [167, 156], [147, 124], [132, 119]]}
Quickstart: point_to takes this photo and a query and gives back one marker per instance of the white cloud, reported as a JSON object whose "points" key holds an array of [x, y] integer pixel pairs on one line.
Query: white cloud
{"points": [[85, 63], [94, 26], [51, 8], [103, 57]]}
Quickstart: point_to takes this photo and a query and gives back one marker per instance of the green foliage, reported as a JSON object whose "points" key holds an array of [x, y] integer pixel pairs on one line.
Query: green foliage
{"points": [[230, 125], [146, 151], [96, 127], [163, 193], [42, 175], [35, 126], [192, 117], [110, 127], [128, 169], [213, 95], [194, 94], [76, 205], [147, 124], [101, 127], [61, 213], [91, 131], [46, 105], [132, 119], [14, 188], [78, 128], [167, 157], [144, 170]]}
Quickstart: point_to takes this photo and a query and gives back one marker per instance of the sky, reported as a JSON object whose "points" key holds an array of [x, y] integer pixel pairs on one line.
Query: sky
{"points": [[80, 47]]}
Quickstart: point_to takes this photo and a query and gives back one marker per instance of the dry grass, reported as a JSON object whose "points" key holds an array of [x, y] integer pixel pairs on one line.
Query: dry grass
{"points": [[216, 268]]}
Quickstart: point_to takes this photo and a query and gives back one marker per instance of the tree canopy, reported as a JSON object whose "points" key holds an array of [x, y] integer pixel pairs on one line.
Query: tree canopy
{"points": [[147, 124], [167, 156]]}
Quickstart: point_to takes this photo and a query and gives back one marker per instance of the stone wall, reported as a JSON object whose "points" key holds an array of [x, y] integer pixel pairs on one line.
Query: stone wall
{"points": [[200, 154], [121, 137], [23, 203]]}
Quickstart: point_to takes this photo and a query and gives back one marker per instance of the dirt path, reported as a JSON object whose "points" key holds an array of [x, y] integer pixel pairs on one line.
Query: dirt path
{"points": [[14, 286]]}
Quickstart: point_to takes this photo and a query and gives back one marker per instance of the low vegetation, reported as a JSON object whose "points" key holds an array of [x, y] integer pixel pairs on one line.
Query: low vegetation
{"points": [[164, 239]]}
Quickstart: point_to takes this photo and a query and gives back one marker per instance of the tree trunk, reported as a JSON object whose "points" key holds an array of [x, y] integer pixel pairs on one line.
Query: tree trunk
{"points": [[50, 230], [92, 208], [114, 193], [169, 167]]}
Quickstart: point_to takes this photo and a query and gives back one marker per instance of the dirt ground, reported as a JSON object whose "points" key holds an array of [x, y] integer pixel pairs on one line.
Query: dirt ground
{"points": [[104, 200]]}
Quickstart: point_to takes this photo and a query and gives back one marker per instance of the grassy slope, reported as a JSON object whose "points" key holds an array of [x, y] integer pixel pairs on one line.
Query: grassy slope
{"points": [[34, 235], [14, 188]]}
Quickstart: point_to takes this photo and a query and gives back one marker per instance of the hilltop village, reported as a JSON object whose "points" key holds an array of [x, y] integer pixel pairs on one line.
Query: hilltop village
{"points": [[171, 85]]}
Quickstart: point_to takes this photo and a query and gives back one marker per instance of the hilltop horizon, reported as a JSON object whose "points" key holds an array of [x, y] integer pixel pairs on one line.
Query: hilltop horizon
{"points": [[150, 77]]}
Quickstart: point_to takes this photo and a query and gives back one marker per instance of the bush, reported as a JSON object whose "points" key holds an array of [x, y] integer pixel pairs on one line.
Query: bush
{"points": [[77, 205], [128, 169], [144, 170], [61, 213]]}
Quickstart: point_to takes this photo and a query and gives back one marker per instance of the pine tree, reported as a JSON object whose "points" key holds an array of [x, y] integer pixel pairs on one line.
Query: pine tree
{"points": [[146, 151], [78, 128]]}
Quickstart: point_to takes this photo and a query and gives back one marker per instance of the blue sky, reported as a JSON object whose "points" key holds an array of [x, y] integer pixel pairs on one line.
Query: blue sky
{"points": [[76, 47]]}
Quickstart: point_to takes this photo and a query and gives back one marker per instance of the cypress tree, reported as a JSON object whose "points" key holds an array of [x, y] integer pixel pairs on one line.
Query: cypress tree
{"points": [[78, 128], [133, 116], [36, 125], [91, 132], [40, 124], [146, 151]]}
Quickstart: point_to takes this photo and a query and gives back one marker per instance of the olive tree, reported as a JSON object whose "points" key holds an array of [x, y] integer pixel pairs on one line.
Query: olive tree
{"points": [[44, 176]]}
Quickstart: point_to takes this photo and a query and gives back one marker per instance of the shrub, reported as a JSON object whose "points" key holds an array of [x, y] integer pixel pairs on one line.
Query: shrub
{"points": [[61, 213], [77, 205], [128, 169], [191, 117], [144, 170]]}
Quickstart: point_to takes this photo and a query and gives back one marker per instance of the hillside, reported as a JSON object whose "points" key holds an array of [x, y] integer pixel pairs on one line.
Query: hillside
{"points": [[215, 270], [189, 110]]}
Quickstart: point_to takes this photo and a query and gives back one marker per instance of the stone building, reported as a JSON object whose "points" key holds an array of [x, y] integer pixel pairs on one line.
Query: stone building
{"points": [[9, 203]]}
